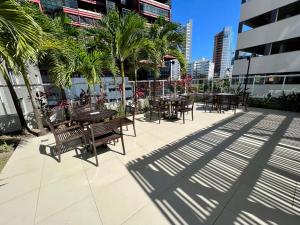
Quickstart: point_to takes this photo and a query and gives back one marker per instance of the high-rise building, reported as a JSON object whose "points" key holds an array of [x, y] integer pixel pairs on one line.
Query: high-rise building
{"points": [[188, 28], [203, 68], [222, 52], [86, 12], [269, 37]]}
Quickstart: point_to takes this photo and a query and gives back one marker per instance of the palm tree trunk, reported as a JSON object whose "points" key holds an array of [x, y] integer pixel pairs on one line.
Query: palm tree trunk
{"points": [[135, 85], [36, 111], [123, 85], [16, 102], [156, 74]]}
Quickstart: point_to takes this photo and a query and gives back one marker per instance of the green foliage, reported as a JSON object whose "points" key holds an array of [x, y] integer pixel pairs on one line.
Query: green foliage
{"points": [[168, 39], [287, 102], [221, 85], [4, 147], [19, 36]]}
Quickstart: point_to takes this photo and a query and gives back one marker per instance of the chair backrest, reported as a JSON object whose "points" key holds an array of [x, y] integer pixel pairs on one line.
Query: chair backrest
{"points": [[130, 111], [57, 115], [49, 123], [189, 101]]}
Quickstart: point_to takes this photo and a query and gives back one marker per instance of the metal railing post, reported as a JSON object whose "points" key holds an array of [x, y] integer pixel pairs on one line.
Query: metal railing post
{"points": [[150, 88], [283, 83], [163, 88], [253, 85]]}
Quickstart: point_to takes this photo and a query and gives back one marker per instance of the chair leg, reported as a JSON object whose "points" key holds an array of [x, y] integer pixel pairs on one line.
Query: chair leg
{"points": [[183, 118], [134, 129], [159, 115], [127, 127], [59, 152], [123, 146], [192, 115], [95, 154], [150, 115]]}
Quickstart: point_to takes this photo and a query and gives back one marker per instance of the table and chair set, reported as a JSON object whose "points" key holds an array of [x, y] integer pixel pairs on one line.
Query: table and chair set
{"points": [[168, 107], [93, 127], [223, 101]]}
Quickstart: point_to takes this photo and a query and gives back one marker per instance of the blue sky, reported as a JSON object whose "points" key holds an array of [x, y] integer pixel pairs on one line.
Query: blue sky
{"points": [[209, 17]]}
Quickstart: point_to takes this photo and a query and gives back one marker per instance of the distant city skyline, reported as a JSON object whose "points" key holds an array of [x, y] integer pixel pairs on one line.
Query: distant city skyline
{"points": [[209, 17]]}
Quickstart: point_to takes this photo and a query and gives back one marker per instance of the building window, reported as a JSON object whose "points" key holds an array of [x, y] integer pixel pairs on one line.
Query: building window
{"points": [[289, 11], [147, 8]]}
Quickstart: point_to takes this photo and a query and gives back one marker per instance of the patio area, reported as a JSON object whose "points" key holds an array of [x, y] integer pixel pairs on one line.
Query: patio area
{"points": [[220, 169]]}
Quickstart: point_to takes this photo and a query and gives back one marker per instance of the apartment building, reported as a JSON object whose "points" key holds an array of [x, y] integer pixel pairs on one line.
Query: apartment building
{"points": [[269, 39], [202, 68], [87, 12], [188, 28], [222, 56]]}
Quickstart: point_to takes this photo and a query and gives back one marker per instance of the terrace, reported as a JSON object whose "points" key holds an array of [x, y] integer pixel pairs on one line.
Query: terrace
{"points": [[221, 168]]}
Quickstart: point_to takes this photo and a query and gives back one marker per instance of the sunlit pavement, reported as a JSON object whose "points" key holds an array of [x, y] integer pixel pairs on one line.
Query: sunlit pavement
{"points": [[218, 169]]}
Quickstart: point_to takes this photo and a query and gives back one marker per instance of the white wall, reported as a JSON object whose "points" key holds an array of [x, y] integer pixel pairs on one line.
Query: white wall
{"points": [[281, 30], [278, 63], [257, 7]]}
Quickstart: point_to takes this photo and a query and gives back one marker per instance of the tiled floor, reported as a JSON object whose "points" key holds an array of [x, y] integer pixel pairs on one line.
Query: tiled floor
{"points": [[218, 169]]}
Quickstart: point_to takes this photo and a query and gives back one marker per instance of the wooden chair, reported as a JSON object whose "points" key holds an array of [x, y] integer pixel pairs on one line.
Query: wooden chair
{"points": [[223, 103], [210, 101], [158, 106], [104, 133], [235, 102], [129, 118], [65, 133], [187, 105], [244, 99]]}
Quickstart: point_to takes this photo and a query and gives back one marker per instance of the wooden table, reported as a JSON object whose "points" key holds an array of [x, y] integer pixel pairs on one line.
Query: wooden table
{"points": [[173, 100], [94, 116]]}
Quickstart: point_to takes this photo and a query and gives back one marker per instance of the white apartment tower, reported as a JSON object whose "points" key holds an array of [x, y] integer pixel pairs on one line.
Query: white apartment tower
{"points": [[269, 38], [188, 41]]}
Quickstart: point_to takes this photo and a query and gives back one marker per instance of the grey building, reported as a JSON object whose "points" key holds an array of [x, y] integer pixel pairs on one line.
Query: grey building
{"points": [[269, 33]]}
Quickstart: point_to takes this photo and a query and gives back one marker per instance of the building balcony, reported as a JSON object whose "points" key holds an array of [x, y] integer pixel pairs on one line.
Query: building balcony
{"points": [[249, 8], [154, 9], [89, 1], [278, 63], [157, 4], [82, 12], [273, 32]]}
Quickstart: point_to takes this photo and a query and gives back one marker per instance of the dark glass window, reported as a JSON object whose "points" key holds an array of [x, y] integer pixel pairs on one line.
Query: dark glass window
{"points": [[147, 8]]}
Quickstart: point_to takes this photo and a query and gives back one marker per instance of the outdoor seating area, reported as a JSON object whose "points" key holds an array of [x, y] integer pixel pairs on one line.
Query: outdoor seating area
{"points": [[96, 126], [221, 168], [130, 113]]}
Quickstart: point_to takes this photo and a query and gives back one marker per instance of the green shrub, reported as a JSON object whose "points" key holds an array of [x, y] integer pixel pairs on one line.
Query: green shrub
{"points": [[287, 102]]}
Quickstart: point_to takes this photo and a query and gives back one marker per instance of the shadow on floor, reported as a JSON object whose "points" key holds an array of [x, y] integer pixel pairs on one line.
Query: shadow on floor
{"points": [[243, 170]]}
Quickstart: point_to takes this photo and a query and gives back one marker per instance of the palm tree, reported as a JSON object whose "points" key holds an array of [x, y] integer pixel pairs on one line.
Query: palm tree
{"points": [[167, 39], [19, 38], [141, 54], [122, 35]]}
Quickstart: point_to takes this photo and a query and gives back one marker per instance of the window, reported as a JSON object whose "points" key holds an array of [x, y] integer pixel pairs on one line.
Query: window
{"points": [[289, 45], [293, 80], [289, 11], [147, 8]]}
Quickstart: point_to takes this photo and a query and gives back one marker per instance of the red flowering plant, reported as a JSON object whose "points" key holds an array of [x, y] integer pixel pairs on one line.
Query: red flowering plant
{"points": [[185, 84], [140, 92]]}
